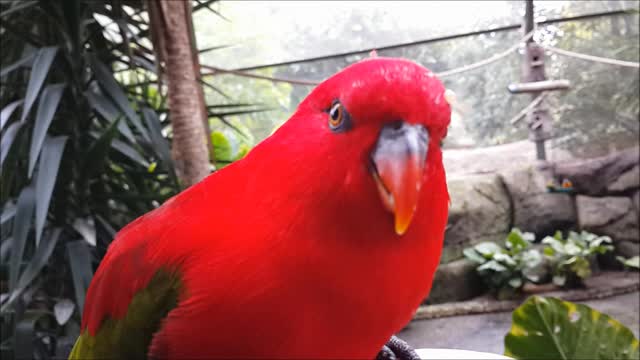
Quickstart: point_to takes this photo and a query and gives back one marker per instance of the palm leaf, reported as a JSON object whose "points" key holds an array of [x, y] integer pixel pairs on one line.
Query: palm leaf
{"points": [[46, 109], [21, 224], [80, 261], [109, 84], [39, 72], [7, 111], [38, 261], [7, 140], [45, 181]]}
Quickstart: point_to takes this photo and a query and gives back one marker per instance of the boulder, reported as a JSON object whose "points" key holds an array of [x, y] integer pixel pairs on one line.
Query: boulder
{"points": [[455, 281], [614, 216], [480, 211], [627, 181], [604, 175], [534, 208]]}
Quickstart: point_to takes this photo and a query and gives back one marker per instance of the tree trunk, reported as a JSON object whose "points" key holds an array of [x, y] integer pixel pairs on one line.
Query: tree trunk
{"points": [[186, 103]]}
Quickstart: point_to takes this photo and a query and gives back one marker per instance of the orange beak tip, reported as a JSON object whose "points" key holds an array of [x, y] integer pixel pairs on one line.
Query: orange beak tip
{"points": [[401, 226]]}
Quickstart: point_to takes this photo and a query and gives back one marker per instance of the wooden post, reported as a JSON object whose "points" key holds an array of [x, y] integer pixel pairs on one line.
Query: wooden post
{"points": [[538, 119]]}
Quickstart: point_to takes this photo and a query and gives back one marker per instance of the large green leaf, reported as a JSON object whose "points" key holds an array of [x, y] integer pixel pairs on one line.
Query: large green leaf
{"points": [[487, 248], [47, 174], [549, 328], [21, 225], [472, 254], [39, 72], [46, 109]]}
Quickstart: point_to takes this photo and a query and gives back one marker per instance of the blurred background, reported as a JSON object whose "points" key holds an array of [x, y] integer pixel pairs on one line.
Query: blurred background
{"points": [[110, 107], [312, 40]]}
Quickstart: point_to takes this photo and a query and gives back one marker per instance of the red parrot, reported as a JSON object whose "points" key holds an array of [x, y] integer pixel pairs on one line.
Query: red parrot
{"points": [[320, 243]]}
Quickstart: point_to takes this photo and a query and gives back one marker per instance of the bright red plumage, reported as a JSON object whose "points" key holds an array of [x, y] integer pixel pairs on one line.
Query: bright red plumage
{"points": [[289, 253]]}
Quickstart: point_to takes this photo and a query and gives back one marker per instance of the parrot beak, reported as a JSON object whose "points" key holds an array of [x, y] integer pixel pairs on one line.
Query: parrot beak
{"points": [[397, 166]]}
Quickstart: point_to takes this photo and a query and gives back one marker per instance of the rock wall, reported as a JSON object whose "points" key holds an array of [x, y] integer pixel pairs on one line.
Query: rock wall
{"points": [[488, 200]]}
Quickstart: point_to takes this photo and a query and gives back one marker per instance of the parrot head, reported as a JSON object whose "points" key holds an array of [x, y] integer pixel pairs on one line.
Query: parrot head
{"points": [[376, 124]]}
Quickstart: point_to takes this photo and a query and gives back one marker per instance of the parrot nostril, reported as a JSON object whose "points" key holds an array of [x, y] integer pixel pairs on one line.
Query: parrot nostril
{"points": [[396, 125]]}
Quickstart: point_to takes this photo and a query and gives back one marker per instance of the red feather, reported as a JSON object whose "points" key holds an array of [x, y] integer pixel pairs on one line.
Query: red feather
{"points": [[289, 253]]}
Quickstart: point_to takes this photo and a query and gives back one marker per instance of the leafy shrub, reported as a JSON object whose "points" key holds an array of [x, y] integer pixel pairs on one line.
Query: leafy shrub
{"points": [[506, 269], [84, 150], [83, 153], [571, 257], [548, 328]]}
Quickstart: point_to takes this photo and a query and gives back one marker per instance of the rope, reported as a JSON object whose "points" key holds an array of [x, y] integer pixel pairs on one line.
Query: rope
{"points": [[593, 58], [215, 70], [488, 60], [313, 83], [455, 71], [528, 108]]}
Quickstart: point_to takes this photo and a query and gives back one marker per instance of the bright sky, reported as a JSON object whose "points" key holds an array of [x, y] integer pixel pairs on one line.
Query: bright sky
{"points": [[261, 30]]}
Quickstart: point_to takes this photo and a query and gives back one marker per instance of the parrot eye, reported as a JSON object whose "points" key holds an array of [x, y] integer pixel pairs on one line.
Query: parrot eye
{"points": [[339, 119]]}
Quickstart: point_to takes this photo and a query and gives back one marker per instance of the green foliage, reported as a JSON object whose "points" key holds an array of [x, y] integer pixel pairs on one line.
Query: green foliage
{"points": [[82, 154], [632, 262], [228, 147], [506, 269], [549, 328], [84, 151], [571, 256]]}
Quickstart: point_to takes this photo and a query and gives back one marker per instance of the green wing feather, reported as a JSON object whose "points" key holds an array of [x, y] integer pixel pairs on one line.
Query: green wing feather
{"points": [[129, 337]]}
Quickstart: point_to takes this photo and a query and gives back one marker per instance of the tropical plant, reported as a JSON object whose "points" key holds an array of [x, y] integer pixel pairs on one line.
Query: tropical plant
{"points": [[84, 150], [505, 269], [83, 153], [572, 257], [549, 328]]}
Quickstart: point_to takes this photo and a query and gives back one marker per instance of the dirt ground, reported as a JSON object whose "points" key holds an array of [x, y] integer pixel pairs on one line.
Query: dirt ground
{"points": [[485, 332]]}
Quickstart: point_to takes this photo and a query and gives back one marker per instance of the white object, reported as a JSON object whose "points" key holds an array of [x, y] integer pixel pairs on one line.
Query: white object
{"points": [[63, 310], [438, 354]]}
